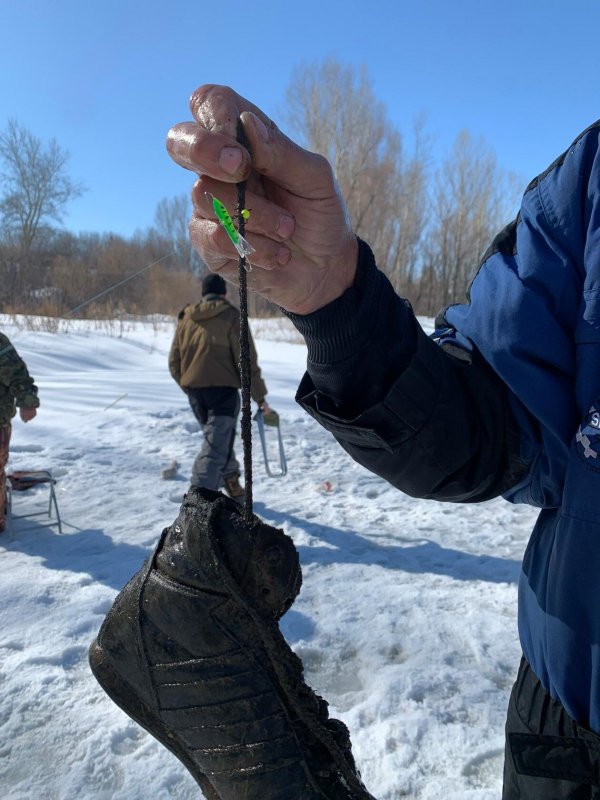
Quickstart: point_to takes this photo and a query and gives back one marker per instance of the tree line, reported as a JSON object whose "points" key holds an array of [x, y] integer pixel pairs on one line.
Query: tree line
{"points": [[428, 224]]}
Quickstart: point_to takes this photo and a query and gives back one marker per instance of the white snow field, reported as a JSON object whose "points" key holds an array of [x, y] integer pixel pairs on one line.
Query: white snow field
{"points": [[406, 621]]}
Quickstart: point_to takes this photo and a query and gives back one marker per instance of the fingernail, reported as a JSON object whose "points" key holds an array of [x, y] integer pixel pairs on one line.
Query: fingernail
{"points": [[230, 159], [260, 126], [283, 256], [285, 226]]}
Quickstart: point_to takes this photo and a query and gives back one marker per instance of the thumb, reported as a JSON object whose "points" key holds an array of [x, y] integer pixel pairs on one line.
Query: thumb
{"points": [[290, 166]]}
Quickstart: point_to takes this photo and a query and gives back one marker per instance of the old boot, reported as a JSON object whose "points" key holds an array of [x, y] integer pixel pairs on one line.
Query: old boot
{"points": [[192, 651]]}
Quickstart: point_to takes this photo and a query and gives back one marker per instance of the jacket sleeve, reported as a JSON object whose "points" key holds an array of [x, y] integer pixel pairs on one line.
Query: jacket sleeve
{"points": [[434, 422], [175, 358], [258, 389], [16, 378]]}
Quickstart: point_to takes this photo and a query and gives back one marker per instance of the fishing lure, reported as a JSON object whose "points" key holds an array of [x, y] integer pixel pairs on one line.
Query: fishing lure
{"points": [[243, 247]]}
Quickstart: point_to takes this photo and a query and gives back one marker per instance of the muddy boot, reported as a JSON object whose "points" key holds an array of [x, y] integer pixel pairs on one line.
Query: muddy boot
{"points": [[192, 651]]}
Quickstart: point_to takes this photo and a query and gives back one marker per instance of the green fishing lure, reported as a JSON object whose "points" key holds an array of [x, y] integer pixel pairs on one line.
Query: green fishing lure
{"points": [[243, 247]]}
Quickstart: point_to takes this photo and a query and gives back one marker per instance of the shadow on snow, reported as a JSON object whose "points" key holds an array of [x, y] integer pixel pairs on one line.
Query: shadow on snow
{"points": [[415, 555], [112, 563], [88, 551]]}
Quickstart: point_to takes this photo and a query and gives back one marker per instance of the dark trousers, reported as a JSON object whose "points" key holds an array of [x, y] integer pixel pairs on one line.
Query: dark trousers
{"points": [[5, 431], [216, 408], [548, 755]]}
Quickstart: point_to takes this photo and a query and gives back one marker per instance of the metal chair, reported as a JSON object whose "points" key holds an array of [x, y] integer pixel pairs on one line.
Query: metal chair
{"points": [[21, 481]]}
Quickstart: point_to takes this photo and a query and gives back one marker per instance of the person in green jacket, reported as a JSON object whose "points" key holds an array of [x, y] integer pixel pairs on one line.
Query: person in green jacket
{"points": [[17, 390]]}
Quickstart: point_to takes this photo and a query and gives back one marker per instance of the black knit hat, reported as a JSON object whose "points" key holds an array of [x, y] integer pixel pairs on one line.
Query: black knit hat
{"points": [[213, 284]]}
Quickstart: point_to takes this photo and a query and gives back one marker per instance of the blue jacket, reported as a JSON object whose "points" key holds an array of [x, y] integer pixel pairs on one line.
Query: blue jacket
{"points": [[534, 314], [523, 421]]}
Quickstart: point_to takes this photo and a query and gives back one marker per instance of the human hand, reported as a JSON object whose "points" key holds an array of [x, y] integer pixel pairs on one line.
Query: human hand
{"points": [[270, 416], [27, 414], [305, 251]]}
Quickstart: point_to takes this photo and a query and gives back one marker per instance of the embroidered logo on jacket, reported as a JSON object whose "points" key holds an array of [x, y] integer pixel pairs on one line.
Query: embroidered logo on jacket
{"points": [[588, 435]]}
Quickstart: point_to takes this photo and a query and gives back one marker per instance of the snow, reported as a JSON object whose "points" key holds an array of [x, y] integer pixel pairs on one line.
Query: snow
{"points": [[406, 622]]}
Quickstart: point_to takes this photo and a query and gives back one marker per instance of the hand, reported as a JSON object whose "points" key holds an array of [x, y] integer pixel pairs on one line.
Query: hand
{"points": [[27, 414], [305, 252], [270, 416]]}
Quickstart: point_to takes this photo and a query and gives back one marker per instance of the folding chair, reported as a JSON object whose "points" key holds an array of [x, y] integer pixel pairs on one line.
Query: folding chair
{"points": [[21, 481]]}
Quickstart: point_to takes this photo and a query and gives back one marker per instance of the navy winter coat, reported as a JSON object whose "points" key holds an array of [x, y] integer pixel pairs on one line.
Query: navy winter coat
{"points": [[523, 421], [534, 314]]}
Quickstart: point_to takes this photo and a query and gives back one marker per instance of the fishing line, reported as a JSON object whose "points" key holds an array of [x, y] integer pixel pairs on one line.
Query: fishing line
{"points": [[245, 369], [119, 283]]}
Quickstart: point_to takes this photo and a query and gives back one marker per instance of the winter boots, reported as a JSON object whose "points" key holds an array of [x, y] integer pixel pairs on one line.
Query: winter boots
{"points": [[192, 651], [233, 488]]}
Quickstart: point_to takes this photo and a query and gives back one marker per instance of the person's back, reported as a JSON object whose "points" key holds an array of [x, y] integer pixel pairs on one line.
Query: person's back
{"points": [[204, 343], [204, 361]]}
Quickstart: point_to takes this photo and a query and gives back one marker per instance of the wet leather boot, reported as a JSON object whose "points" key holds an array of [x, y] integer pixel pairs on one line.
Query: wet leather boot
{"points": [[191, 650]]}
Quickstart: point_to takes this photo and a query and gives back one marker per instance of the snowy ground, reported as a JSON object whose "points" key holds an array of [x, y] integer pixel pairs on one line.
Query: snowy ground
{"points": [[406, 621]]}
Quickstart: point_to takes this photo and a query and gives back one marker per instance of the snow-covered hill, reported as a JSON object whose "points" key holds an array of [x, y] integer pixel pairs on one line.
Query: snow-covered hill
{"points": [[406, 622]]}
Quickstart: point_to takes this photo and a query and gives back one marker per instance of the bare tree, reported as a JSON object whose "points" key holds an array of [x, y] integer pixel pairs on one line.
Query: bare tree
{"points": [[35, 185], [333, 110], [472, 198], [171, 220]]}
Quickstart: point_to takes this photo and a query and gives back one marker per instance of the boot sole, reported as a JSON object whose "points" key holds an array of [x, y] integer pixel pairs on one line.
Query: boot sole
{"points": [[124, 696]]}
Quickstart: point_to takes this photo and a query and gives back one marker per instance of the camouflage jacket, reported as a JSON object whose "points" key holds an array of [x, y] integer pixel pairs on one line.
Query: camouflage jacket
{"points": [[16, 385]]}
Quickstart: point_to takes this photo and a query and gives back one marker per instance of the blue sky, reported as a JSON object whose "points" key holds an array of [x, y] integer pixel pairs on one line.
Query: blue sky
{"points": [[108, 79]]}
